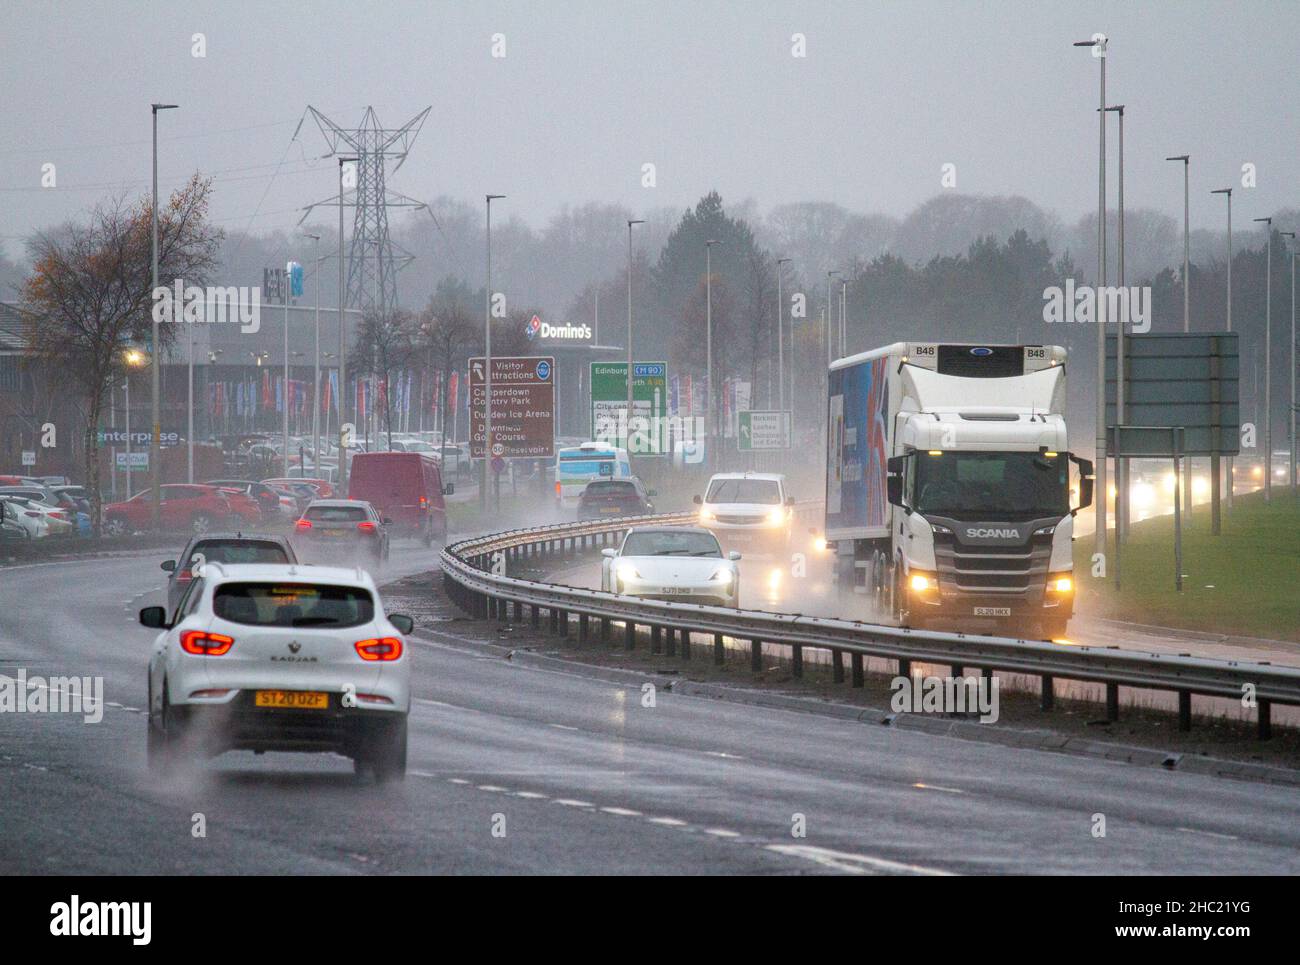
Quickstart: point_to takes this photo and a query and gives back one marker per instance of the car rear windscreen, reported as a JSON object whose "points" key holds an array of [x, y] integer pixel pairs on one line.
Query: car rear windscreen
{"points": [[238, 551], [610, 489], [293, 605], [335, 514]]}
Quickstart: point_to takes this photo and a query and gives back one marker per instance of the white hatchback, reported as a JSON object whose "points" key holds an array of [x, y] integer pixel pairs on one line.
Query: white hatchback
{"points": [[278, 657], [683, 564]]}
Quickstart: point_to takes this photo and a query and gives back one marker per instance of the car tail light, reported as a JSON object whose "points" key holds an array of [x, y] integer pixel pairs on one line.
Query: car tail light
{"points": [[366, 527], [303, 524], [557, 490], [380, 648], [424, 502], [373, 699], [206, 644], [184, 576]]}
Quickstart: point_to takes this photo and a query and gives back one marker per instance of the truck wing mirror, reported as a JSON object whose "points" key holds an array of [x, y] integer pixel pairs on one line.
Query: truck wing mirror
{"points": [[1086, 478], [897, 466], [697, 500]]}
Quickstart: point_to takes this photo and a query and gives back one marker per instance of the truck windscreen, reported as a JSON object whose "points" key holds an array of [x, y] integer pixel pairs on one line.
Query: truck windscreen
{"points": [[992, 485]]}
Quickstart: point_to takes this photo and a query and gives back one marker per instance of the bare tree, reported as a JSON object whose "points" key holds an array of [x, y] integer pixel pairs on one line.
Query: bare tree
{"points": [[386, 343], [449, 330], [91, 287]]}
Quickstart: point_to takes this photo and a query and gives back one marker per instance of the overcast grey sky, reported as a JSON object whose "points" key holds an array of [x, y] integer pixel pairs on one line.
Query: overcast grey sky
{"points": [[707, 91]]}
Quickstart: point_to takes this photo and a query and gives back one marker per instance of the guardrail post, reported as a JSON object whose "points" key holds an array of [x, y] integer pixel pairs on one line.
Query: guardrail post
{"points": [[855, 660], [630, 635], [837, 666], [719, 650], [503, 610], [756, 656], [686, 643], [555, 621], [1047, 696], [1265, 719], [1184, 710], [905, 668], [1112, 702], [582, 628], [655, 639], [796, 660], [564, 624], [604, 629], [536, 616], [670, 645]]}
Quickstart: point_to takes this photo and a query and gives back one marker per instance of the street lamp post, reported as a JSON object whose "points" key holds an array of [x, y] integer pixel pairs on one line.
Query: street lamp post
{"points": [[1121, 465], [630, 223], [844, 310], [1187, 290], [155, 443], [1099, 44], [1268, 362], [1227, 192], [709, 456], [343, 345], [487, 367], [780, 334], [830, 316], [1291, 475]]}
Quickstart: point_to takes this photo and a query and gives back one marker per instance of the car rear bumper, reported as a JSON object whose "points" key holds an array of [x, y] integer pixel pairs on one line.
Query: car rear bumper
{"points": [[239, 724]]}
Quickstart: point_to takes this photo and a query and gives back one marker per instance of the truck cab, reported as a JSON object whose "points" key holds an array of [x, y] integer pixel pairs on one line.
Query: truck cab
{"points": [[953, 462]]}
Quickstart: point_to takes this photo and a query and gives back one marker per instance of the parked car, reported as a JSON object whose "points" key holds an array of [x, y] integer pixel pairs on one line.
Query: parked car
{"points": [[615, 497], [222, 548], [59, 521], [267, 501], [321, 488], [350, 526], [678, 563], [406, 488], [14, 525], [244, 508], [183, 506], [279, 658]]}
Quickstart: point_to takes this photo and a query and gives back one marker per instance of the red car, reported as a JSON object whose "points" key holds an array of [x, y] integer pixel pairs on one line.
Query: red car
{"points": [[194, 508], [323, 489], [246, 508]]}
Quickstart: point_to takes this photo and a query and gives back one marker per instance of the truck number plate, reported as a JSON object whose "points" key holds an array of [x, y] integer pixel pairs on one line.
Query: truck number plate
{"points": [[993, 611]]}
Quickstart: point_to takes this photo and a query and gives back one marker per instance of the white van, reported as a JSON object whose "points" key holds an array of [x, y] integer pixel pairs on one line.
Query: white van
{"points": [[578, 465]]}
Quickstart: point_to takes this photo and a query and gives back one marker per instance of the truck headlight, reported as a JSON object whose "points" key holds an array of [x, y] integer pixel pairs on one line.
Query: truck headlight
{"points": [[707, 515], [1060, 583], [920, 582]]}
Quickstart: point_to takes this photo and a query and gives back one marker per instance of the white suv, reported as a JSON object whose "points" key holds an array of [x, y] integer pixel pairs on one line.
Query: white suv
{"points": [[277, 657], [748, 510]]}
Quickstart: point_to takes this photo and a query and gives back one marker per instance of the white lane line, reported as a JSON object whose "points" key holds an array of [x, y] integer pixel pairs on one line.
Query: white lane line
{"points": [[849, 863], [421, 774], [937, 787], [1209, 834], [561, 727], [721, 833], [572, 803], [530, 795], [493, 787], [668, 822], [622, 812], [457, 780]]}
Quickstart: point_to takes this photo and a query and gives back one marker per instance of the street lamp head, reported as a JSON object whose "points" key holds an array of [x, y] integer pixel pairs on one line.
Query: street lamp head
{"points": [[1267, 221], [1118, 108], [632, 221], [1088, 43], [494, 197], [711, 242], [1227, 191], [1179, 157], [133, 357], [784, 261], [163, 107]]}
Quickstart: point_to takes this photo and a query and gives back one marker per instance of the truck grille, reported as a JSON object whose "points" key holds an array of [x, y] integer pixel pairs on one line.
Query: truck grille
{"points": [[992, 569]]}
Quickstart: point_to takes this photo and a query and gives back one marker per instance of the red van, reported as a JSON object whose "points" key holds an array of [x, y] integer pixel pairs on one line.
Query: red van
{"points": [[406, 488]]}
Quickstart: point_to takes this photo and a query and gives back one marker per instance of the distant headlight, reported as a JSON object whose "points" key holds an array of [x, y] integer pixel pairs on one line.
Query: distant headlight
{"points": [[723, 576], [1060, 583], [626, 571], [706, 515], [920, 582], [776, 517]]}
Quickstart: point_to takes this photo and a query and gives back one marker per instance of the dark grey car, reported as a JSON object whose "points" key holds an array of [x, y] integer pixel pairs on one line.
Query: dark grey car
{"points": [[222, 548]]}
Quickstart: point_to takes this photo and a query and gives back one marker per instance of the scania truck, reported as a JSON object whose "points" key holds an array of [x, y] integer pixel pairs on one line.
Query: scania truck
{"points": [[948, 485]]}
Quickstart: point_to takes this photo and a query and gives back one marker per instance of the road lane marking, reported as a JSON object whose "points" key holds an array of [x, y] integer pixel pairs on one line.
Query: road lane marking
{"points": [[668, 822], [493, 788], [721, 833], [937, 787], [530, 795], [850, 863], [572, 803], [1211, 834], [622, 812]]}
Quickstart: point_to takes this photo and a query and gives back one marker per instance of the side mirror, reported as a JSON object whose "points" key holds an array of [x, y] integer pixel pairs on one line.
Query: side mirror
{"points": [[403, 623], [386, 521], [1086, 479], [449, 489], [154, 617], [609, 552], [896, 466], [652, 492], [733, 555], [697, 500], [789, 500], [168, 565]]}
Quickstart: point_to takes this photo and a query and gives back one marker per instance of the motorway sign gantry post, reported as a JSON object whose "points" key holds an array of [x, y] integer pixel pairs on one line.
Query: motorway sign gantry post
{"points": [[523, 407], [649, 400], [763, 429]]}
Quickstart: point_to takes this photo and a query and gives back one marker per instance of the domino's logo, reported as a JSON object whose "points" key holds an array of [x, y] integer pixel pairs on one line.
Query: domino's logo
{"points": [[533, 328]]}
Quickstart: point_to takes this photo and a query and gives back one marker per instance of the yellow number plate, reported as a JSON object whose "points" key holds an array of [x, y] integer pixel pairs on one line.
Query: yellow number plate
{"points": [[301, 699]]}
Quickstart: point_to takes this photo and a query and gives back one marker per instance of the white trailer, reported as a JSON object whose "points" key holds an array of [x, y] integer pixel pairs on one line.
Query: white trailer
{"points": [[948, 484]]}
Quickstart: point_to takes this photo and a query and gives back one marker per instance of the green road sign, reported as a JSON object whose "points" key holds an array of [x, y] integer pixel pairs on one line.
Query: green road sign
{"points": [[761, 430], [609, 422]]}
